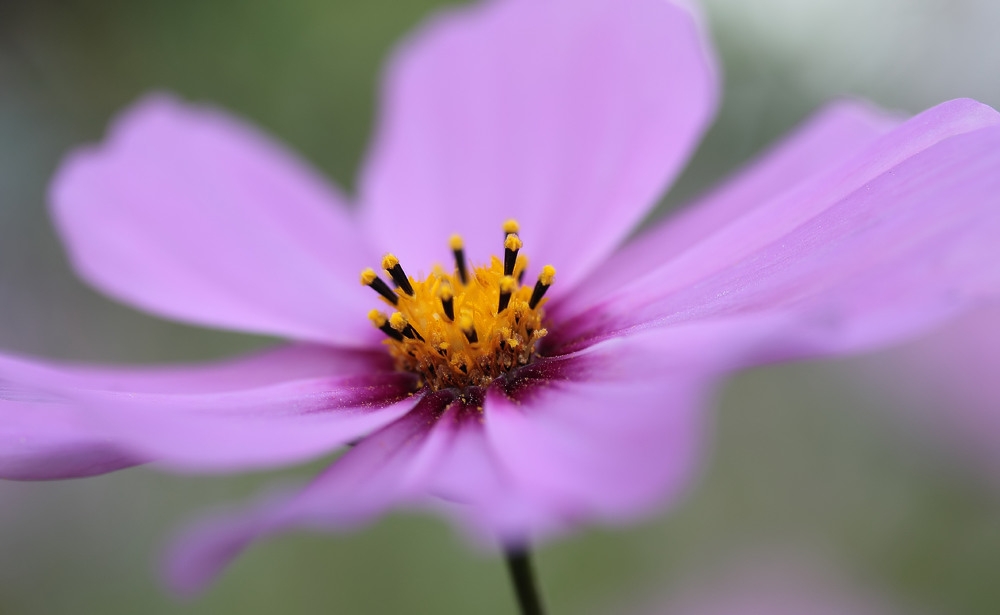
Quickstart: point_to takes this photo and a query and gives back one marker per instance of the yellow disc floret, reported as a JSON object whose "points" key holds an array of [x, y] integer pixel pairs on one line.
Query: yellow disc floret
{"points": [[467, 327]]}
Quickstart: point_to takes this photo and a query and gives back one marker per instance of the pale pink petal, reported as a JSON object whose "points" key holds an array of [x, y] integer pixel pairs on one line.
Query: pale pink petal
{"points": [[887, 245], [601, 436], [623, 433], [282, 409], [383, 469], [263, 368], [603, 451], [826, 140], [435, 457], [568, 115], [191, 214], [42, 439], [254, 429]]}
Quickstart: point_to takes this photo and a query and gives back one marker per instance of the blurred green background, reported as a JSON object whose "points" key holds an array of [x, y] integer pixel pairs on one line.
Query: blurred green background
{"points": [[801, 460]]}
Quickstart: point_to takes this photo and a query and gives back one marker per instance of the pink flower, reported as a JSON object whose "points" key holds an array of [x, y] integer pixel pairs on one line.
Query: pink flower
{"points": [[569, 116]]}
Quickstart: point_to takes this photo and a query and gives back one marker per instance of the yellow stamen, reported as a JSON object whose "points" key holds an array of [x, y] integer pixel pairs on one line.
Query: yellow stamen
{"points": [[548, 275], [446, 292], [370, 278], [391, 264], [447, 296], [512, 243], [397, 321], [458, 251], [464, 327], [507, 285], [520, 266], [389, 261], [545, 279], [378, 318], [467, 326], [381, 322], [511, 226]]}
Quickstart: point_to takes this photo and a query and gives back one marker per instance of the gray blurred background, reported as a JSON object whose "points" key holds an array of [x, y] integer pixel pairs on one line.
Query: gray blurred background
{"points": [[802, 461]]}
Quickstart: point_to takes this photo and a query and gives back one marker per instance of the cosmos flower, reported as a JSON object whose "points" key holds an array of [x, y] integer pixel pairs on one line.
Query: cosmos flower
{"points": [[519, 397]]}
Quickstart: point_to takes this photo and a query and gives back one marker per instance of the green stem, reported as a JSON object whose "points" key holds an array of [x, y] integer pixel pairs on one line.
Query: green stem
{"points": [[528, 598]]}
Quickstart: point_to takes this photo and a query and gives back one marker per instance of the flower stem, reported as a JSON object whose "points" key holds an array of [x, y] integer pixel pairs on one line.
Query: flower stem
{"points": [[519, 565]]}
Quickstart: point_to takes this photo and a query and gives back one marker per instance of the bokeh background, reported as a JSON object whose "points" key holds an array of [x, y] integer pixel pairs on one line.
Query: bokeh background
{"points": [[809, 463]]}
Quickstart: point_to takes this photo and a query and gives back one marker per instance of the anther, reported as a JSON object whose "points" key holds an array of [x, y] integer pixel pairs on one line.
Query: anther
{"points": [[382, 323], [511, 226], [370, 278], [399, 324], [447, 296], [545, 279], [510, 247], [468, 328], [391, 264], [458, 249], [507, 285]]}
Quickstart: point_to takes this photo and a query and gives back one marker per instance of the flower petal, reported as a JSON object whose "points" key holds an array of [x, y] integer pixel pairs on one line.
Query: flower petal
{"points": [[274, 408], [623, 433], [606, 434], [380, 471], [569, 115], [602, 451], [43, 439], [430, 453], [276, 365], [893, 242], [829, 138], [191, 214]]}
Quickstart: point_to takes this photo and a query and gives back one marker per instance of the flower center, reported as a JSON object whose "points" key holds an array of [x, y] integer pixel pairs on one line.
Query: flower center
{"points": [[463, 328]]}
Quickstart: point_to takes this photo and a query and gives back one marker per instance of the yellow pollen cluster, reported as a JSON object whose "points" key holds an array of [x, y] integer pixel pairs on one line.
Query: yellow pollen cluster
{"points": [[467, 327]]}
